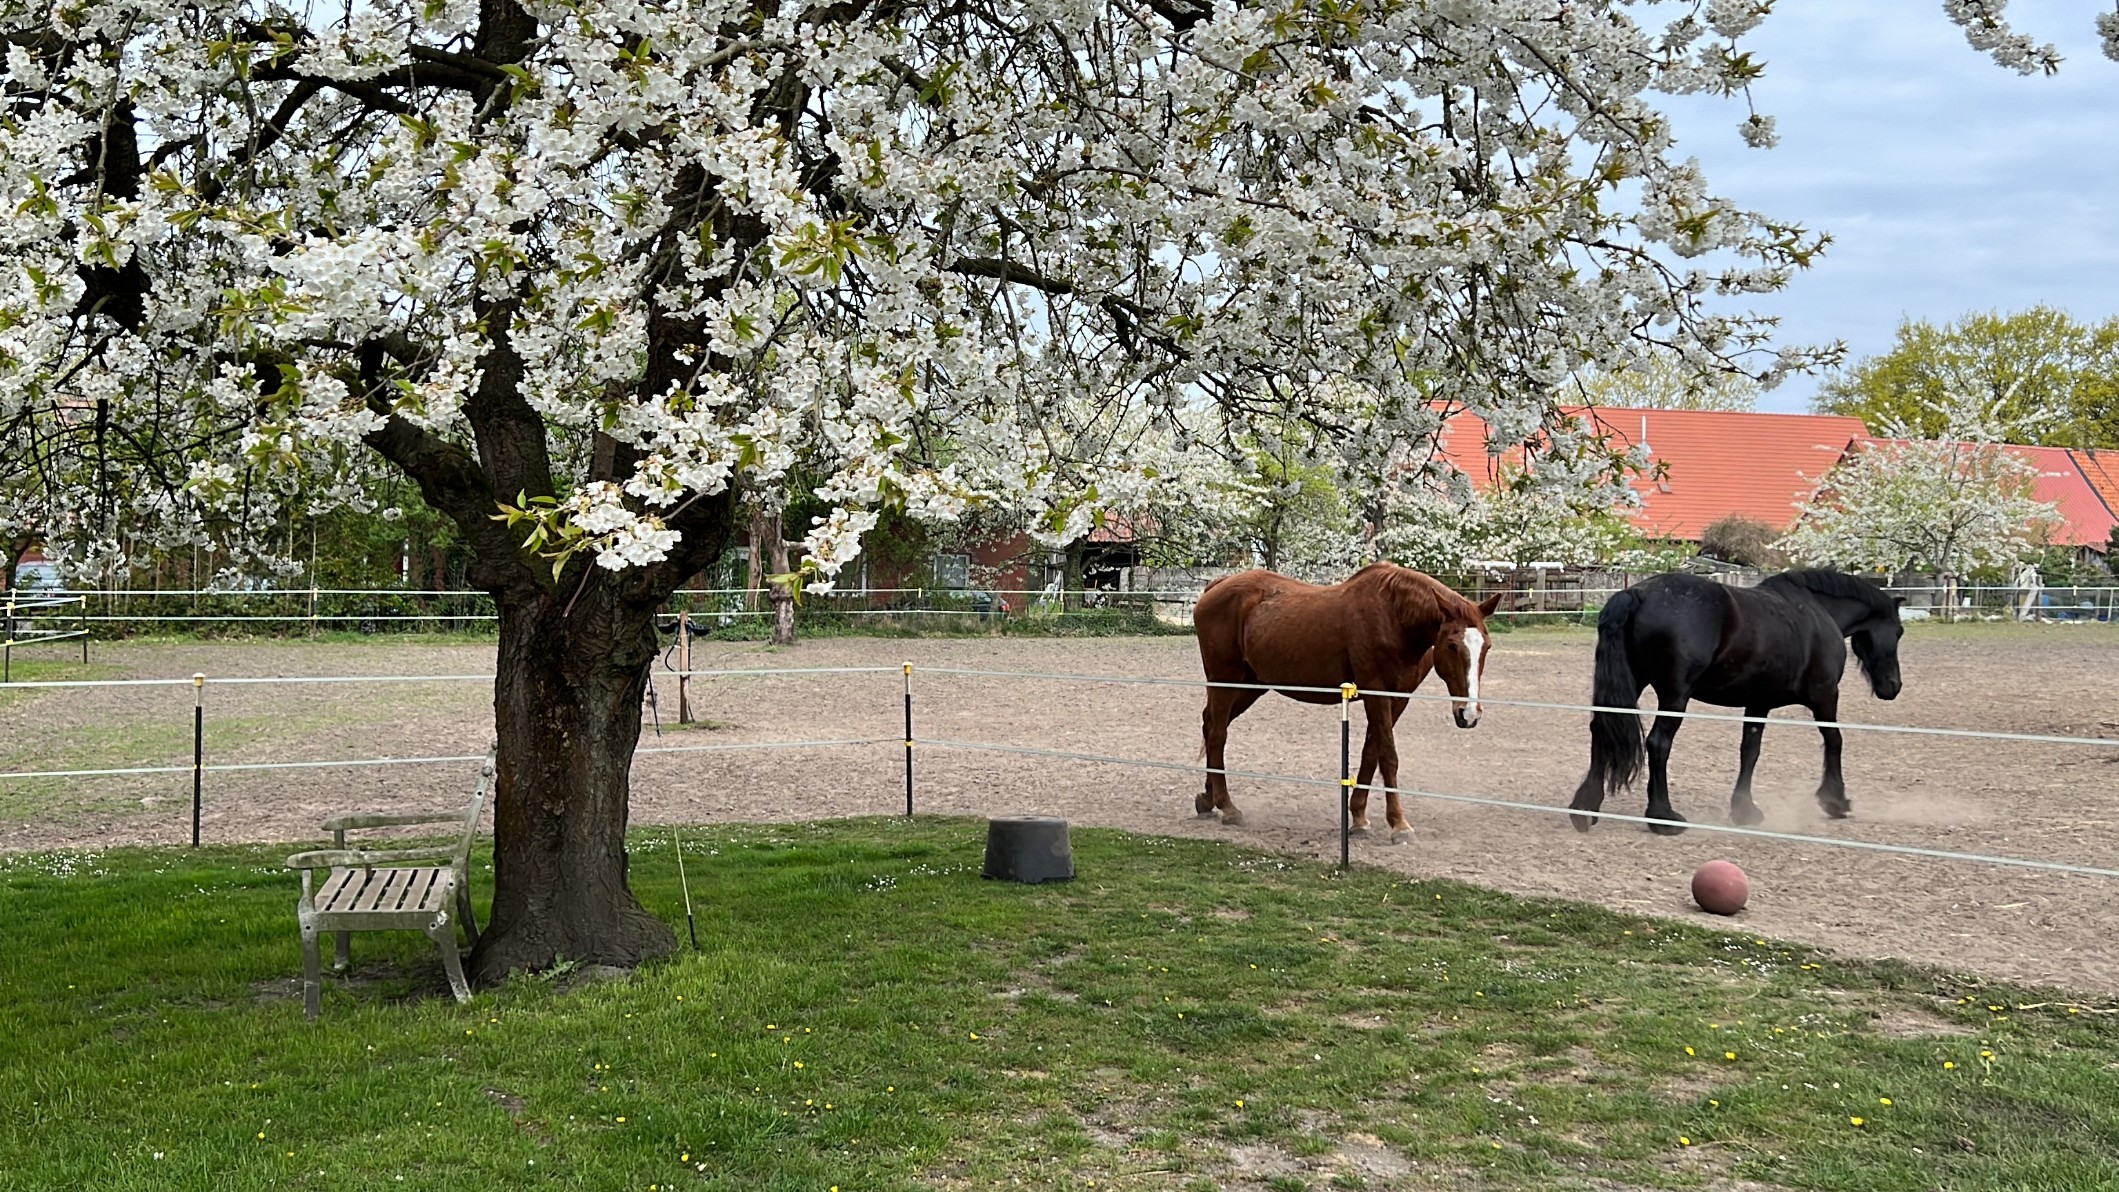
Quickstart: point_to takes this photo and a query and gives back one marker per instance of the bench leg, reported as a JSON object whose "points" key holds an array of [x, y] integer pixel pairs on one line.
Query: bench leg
{"points": [[443, 933], [312, 978], [463, 907], [344, 960]]}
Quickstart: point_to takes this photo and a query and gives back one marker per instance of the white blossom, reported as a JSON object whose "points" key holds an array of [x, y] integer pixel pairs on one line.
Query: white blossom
{"points": [[1944, 505], [1059, 258]]}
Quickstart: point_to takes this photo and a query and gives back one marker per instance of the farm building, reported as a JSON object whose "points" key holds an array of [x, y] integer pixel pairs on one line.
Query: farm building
{"points": [[1709, 464], [2082, 484]]}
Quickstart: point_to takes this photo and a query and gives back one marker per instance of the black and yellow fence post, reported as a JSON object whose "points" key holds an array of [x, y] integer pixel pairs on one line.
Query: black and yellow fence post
{"points": [[1347, 693], [198, 751], [908, 739]]}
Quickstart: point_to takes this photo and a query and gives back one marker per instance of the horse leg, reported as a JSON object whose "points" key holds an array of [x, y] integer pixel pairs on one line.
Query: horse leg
{"points": [[1394, 811], [1659, 740], [1832, 791], [1375, 740], [1741, 809], [1357, 799], [1224, 704]]}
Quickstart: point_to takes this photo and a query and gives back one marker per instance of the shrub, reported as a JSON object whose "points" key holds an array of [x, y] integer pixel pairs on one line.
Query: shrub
{"points": [[1745, 541]]}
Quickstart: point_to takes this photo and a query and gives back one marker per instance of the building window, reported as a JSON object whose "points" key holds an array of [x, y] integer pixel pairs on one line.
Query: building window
{"points": [[952, 571]]}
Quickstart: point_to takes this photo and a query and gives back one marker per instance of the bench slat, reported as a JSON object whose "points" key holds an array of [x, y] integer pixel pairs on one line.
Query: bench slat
{"points": [[339, 889], [367, 890]]}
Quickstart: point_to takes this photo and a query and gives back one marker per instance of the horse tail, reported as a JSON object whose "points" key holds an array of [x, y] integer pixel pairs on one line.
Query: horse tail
{"points": [[1615, 750]]}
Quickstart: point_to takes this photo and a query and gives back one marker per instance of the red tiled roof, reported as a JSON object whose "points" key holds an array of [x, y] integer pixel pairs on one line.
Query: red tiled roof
{"points": [[1716, 462], [2085, 519], [2101, 469]]}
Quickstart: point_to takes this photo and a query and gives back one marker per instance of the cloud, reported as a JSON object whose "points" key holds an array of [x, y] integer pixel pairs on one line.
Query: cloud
{"points": [[1948, 184]]}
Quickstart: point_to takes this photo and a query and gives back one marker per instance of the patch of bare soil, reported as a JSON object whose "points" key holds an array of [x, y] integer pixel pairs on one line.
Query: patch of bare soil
{"points": [[2028, 800]]}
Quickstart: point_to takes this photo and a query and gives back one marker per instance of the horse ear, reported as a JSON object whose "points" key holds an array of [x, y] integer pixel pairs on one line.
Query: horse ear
{"points": [[1488, 605]]}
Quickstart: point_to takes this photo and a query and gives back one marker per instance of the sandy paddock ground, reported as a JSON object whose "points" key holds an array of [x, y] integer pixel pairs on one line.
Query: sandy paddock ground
{"points": [[2041, 801]]}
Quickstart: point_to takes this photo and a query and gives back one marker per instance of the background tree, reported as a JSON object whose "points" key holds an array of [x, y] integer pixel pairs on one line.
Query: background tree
{"points": [[1662, 381], [2050, 379], [1451, 527], [1942, 505], [1294, 516], [587, 272]]}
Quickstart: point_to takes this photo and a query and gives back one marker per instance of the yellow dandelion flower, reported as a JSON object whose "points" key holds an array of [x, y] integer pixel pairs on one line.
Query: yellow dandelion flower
{"points": [[1855, 1120], [1239, 1102], [621, 1119], [1689, 1051], [1684, 1141], [1728, 1055], [1948, 1064], [1883, 1100], [798, 1065]]}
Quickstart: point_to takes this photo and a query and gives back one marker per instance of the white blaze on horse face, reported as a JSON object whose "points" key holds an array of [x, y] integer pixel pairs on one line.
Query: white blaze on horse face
{"points": [[1475, 650]]}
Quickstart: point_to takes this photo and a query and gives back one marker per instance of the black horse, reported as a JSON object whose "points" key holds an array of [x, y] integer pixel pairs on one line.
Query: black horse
{"points": [[1752, 648]]}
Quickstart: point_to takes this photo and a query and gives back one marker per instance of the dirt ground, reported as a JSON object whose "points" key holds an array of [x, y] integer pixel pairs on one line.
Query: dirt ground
{"points": [[2040, 801]]}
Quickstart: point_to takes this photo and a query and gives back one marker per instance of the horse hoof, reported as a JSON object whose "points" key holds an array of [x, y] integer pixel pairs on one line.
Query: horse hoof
{"points": [[1747, 815], [1838, 810], [1232, 817], [1402, 836], [1358, 830], [1582, 823], [1662, 829], [1207, 814], [1670, 823]]}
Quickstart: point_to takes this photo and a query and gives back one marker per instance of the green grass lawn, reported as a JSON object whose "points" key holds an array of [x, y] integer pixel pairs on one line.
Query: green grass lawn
{"points": [[865, 1013]]}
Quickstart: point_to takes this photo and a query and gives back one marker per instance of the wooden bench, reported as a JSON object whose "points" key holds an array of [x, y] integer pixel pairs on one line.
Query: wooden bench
{"points": [[389, 890]]}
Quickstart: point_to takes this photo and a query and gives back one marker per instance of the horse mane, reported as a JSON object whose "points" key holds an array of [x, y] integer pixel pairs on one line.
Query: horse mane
{"points": [[1407, 585], [1826, 581]]}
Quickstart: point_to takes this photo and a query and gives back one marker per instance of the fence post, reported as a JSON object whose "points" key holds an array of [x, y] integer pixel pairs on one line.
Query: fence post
{"points": [[1347, 692], [198, 751], [84, 631], [7, 638], [908, 739], [684, 668]]}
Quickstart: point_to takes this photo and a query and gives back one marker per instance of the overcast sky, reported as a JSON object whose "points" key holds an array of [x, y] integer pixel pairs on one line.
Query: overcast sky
{"points": [[1948, 183]]}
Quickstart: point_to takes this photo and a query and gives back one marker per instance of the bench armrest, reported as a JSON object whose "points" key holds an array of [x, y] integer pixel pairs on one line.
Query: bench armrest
{"points": [[378, 819], [352, 858]]}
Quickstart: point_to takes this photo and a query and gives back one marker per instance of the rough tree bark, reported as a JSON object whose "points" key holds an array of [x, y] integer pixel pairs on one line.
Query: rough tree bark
{"points": [[1071, 573], [783, 596]]}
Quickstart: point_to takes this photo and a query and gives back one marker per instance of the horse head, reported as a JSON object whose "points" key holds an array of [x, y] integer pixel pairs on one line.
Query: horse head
{"points": [[1875, 643], [1461, 646]]}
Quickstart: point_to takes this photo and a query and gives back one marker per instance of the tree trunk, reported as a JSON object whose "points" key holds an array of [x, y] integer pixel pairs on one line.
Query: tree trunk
{"points": [[566, 707], [16, 550], [1071, 574], [783, 597], [754, 561]]}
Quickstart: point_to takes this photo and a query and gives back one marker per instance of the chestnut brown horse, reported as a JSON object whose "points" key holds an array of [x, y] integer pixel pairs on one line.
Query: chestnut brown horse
{"points": [[1381, 630]]}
